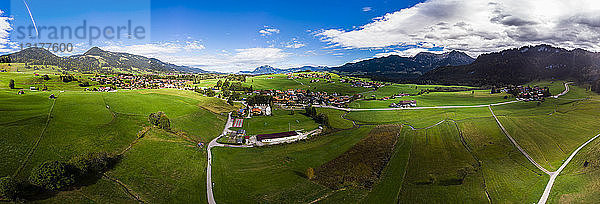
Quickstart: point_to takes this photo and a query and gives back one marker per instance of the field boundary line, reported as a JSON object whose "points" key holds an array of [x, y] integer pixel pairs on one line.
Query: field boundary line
{"points": [[514, 142], [127, 190], [466, 145], [37, 142]]}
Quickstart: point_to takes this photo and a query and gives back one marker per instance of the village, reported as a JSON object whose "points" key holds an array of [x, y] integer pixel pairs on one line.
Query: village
{"points": [[526, 93], [132, 82], [300, 98], [327, 77]]}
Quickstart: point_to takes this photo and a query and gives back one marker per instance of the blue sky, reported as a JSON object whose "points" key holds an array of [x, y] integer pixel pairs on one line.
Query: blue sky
{"points": [[219, 27], [230, 36]]}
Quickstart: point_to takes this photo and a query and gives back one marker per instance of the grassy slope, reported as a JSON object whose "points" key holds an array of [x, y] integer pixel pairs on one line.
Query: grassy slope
{"points": [[417, 118], [276, 174], [81, 122], [162, 168], [509, 177], [279, 82], [335, 118], [577, 182], [465, 98], [437, 155], [551, 131]]}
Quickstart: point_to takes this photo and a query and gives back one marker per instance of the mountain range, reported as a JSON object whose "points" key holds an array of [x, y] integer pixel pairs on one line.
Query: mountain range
{"points": [[519, 66], [397, 67], [266, 69], [512, 66], [95, 60]]}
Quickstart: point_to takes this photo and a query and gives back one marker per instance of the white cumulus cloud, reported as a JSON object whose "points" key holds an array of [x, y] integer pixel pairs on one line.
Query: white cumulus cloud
{"points": [[5, 28], [238, 60], [367, 9], [407, 53], [268, 31], [478, 26], [156, 49]]}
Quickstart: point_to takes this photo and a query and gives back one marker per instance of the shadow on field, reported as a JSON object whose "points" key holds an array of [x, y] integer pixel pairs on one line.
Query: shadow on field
{"points": [[52, 177]]}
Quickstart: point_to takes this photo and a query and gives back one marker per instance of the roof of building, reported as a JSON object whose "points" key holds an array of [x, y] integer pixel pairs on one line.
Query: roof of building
{"points": [[276, 135]]}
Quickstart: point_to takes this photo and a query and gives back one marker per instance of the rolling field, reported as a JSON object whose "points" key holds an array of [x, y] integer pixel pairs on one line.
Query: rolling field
{"points": [[416, 118], [551, 131], [278, 82], [161, 167], [439, 156], [277, 174], [464, 98], [391, 90], [336, 119], [580, 179]]}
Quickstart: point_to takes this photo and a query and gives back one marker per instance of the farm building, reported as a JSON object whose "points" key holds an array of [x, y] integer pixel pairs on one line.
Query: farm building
{"points": [[404, 104], [261, 110], [278, 137]]}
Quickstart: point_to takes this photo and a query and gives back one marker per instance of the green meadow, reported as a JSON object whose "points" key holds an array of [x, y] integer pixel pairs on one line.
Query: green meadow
{"points": [[456, 155]]}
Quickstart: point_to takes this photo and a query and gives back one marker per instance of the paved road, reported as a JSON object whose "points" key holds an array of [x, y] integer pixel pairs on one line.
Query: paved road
{"points": [[214, 143], [553, 176], [564, 92]]}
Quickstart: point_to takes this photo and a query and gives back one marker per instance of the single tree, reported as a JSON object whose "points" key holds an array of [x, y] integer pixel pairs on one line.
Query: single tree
{"points": [[310, 173], [11, 84]]}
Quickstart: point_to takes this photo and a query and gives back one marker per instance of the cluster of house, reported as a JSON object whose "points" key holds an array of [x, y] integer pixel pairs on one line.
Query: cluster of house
{"points": [[140, 82], [310, 75], [526, 93], [300, 98], [363, 83], [101, 89], [404, 104]]}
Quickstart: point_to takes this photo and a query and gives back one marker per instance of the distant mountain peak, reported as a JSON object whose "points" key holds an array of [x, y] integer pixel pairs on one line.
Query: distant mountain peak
{"points": [[267, 69], [94, 51], [521, 65], [405, 67], [96, 59]]}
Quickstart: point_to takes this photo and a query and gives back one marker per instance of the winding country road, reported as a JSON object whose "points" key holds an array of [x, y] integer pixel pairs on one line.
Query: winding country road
{"points": [[214, 143], [564, 92], [553, 176]]}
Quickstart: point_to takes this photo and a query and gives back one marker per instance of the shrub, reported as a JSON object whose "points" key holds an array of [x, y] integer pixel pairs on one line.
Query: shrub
{"points": [[46, 77], [9, 188], [92, 163], [160, 119], [85, 84], [53, 175]]}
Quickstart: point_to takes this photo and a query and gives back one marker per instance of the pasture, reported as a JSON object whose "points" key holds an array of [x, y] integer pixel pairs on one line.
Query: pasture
{"points": [[439, 155]]}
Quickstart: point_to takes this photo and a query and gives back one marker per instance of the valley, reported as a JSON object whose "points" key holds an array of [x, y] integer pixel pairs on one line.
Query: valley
{"points": [[449, 145]]}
